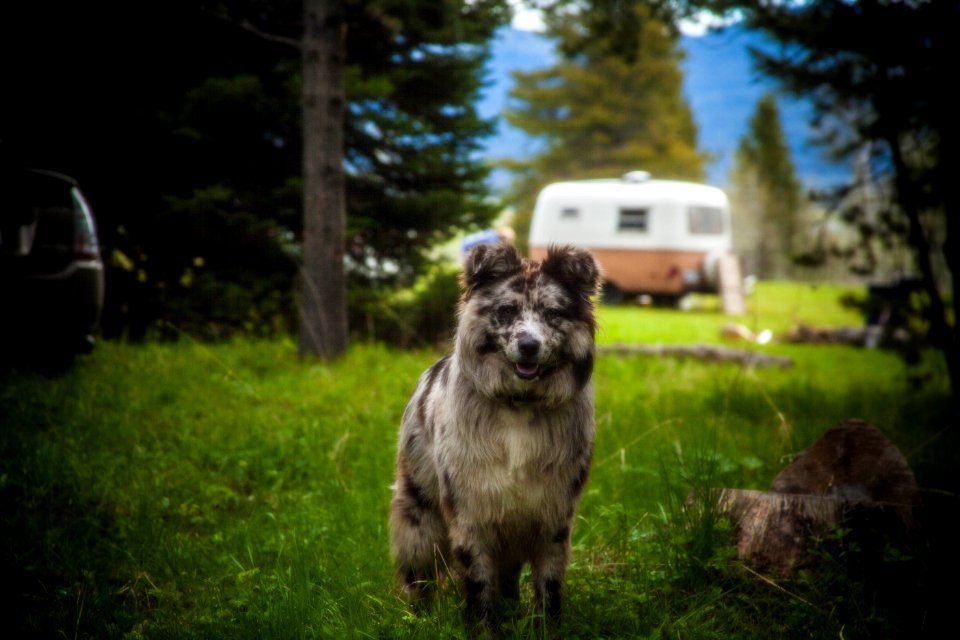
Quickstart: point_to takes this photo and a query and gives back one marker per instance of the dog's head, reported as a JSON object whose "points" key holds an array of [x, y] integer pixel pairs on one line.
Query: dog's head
{"points": [[527, 328]]}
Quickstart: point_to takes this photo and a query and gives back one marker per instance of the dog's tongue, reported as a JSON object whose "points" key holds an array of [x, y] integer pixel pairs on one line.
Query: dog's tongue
{"points": [[527, 370]]}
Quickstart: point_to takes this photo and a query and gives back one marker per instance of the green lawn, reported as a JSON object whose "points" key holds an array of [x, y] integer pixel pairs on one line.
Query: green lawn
{"points": [[777, 306], [231, 491]]}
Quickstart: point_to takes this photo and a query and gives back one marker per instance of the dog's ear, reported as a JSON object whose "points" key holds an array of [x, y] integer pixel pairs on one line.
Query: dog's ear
{"points": [[576, 269], [487, 263]]}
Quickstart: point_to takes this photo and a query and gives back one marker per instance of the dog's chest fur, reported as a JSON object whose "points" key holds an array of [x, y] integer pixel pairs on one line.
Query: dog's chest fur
{"points": [[508, 461], [521, 445], [519, 475]]}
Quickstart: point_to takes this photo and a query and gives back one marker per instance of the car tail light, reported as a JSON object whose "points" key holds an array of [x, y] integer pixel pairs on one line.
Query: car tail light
{"points": [[85, 243]]}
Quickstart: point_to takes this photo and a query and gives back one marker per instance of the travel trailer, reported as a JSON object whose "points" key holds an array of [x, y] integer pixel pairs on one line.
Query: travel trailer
{"points": [[660, 238]]}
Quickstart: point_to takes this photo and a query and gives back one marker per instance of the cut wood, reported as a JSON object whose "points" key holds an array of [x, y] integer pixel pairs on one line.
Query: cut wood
{"points": [[853, 460], [705, 352], [774, 529], [852, 476]]}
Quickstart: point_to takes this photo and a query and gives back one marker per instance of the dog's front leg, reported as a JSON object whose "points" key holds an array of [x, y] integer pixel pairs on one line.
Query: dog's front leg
{"points": [[477, 569], [549, 569], [479, 582]]}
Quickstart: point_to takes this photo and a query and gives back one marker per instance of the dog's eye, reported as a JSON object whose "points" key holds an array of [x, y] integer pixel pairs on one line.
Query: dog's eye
{"points": [[553, 315], [506, 313]]}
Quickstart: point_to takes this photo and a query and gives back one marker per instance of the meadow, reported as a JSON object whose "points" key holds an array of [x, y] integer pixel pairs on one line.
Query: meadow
{"points": [[189, 490]]}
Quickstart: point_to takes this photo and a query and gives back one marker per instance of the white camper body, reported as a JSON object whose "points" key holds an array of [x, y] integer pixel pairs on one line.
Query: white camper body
{"points": [[657, 237]]}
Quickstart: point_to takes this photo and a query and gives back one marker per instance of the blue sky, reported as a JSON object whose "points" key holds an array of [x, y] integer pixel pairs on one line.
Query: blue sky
{"points": [[720, 85]]}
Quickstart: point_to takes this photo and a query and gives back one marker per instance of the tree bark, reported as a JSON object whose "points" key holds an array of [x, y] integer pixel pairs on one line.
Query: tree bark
{"points": [[942, 332], [323, 313]]}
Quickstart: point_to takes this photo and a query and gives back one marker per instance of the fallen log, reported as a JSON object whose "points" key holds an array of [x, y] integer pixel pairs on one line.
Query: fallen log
{"points": [[804, 334], [704, 352]]}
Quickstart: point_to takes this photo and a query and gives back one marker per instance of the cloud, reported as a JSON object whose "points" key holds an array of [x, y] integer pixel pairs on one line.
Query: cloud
{"points": [[701, 22], [526, 19]]}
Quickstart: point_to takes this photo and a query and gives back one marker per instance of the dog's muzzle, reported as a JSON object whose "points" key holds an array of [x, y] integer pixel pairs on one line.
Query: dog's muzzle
{"points": [[527, 366]]}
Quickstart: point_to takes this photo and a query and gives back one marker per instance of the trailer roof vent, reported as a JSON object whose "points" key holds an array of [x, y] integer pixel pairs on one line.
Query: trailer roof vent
{"points": [[636, 176]]}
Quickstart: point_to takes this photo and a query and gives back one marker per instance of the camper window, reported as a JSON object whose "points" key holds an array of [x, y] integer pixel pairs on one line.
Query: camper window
{"points": [[633, 220], [705, 220]]}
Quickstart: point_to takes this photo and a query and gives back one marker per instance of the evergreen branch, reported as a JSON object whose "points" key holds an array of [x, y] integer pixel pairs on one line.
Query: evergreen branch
{"points": [[249, 27]]}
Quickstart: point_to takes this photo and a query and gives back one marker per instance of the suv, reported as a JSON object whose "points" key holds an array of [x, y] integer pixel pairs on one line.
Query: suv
{"points": [[51, 272]]}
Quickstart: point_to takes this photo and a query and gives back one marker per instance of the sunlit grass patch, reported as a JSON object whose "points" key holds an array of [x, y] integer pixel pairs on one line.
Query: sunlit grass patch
{"points": [[776, 306]]}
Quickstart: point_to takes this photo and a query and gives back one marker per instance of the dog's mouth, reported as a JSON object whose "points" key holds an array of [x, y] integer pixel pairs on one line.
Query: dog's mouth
{"points": [[526, 370], [533, 370]]}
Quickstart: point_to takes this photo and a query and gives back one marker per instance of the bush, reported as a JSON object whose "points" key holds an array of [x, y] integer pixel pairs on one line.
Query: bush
{"points": [[214, 308], [423, 315]]}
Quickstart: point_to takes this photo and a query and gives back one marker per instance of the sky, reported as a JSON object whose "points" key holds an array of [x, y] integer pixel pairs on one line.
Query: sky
{"points": [[720, 86]]}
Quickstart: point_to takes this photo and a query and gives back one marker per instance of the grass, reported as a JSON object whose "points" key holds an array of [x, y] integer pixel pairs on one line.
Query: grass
{"points": [[196, 491], [777, 306]]}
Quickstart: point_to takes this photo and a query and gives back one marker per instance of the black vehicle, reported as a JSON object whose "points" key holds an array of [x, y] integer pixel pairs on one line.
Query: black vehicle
{"points": [[51, 271]]}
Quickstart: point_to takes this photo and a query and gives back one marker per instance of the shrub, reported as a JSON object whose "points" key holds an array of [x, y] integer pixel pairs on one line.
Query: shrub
{"points": [[422, 315]]}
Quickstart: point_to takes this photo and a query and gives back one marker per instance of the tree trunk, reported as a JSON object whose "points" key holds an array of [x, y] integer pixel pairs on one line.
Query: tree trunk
{"points": [[323, 313], [946, 183], [942, 332]]}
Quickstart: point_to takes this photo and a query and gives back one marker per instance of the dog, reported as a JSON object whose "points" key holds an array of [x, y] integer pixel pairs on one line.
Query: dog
{"points": [[496, 442]]}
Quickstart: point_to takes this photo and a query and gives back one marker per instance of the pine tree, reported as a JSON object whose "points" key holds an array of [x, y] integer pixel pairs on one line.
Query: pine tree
{"points": [[198, 178], [612, 104], [878, 75], [413, 136], [768, 194]]}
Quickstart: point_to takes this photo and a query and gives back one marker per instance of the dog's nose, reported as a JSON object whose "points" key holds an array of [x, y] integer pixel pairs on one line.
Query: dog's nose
{"points": [[528, 346]]}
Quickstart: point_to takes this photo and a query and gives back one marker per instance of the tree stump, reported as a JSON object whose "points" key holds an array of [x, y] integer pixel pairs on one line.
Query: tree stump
{"points": [[852, 477]]}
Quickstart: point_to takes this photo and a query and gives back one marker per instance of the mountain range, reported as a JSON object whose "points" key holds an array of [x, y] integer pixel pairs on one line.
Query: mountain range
{"points": [[720, 85]]}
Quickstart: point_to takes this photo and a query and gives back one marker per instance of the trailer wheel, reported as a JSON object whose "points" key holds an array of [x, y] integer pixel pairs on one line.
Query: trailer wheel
{"points": [[611, 294], [667, 300]]}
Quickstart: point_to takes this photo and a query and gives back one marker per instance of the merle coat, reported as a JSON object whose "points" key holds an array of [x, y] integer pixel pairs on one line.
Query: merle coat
{"points": [[496, 442]]}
